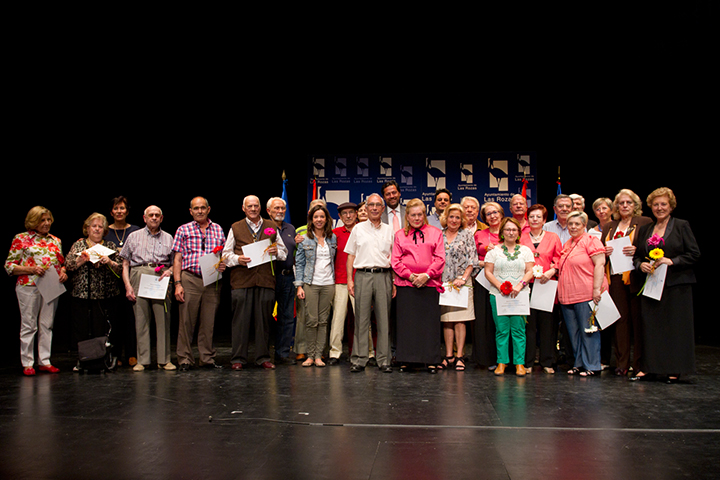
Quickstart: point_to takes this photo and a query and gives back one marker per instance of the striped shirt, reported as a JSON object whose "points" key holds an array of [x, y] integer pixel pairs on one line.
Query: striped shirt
{"points": [[142, 247], [192, 243]]}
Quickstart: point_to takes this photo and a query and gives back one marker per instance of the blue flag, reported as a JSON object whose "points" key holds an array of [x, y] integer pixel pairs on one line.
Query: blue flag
{"points": [[285, 197], [559, 191]]}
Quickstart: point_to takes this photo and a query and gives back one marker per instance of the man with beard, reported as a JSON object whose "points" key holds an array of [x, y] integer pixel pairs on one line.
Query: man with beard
{"points": [[284, 327]]}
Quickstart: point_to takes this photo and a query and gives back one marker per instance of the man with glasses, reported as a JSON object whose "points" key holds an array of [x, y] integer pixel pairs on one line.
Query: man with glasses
{"points": [[369, 248], [197, 303], [284, 327]]}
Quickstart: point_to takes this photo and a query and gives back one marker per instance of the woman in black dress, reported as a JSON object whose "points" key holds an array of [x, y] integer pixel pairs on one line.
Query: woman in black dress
{"points": [[668, 324]]}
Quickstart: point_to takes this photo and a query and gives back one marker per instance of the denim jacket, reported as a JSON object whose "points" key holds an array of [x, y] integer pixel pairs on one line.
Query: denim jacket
{"points": [[305, 258]]}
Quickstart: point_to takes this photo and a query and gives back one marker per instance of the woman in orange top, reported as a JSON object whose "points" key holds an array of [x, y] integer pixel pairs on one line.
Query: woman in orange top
{"points": [[582, 280]]}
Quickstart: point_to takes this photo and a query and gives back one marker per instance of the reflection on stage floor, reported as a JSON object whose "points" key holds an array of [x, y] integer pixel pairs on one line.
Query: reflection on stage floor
{"points": [[317, 423]]}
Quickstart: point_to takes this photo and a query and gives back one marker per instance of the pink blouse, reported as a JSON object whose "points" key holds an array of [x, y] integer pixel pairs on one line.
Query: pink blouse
{"points": [[483, 239], [575, 283], [547, 253], [416, 253]]}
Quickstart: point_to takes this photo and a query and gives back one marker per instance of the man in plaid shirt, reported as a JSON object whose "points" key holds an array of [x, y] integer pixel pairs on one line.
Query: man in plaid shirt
{"points": [[196, 301]]}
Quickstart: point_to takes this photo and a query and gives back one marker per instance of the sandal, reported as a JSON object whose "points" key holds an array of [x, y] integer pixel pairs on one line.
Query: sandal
{"points": [[587, 373], [308, 363], [573, 371], [460, 364], [447, 362]]}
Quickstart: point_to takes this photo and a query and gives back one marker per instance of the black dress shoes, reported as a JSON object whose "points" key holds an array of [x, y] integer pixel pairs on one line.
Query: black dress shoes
{"points": [[356, 369]]}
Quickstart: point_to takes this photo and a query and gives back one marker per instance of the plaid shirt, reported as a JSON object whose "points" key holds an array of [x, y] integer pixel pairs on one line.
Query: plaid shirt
{"points": [[143, 247], [192, 244]]}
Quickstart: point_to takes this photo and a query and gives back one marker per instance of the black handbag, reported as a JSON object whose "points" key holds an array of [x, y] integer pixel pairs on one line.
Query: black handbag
{"points": [[92, 349]]}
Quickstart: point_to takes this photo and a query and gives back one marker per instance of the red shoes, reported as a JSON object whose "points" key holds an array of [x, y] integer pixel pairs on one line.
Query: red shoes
{"points": [[48, 369], [30, 371]]}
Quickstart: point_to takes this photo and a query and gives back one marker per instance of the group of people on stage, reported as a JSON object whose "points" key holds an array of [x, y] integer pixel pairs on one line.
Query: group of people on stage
{"points": [[388, 262]]}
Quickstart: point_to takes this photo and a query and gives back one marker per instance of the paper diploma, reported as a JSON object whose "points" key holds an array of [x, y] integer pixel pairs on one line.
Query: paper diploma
{"points": [[482, 280], [49, 285], [153, 287], [655, 283], [210, 274], [520, 305], [606, 313], [452, 297], [256, 252], [97, 251], [619, 262], [543, 295]]}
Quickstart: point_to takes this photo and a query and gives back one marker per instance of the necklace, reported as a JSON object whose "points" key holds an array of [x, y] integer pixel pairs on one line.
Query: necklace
{"points": [[512, 256], [120, 240], [537, 238]]}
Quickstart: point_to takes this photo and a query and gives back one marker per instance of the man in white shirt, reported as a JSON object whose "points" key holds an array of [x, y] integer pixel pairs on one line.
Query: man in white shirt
{"points": [[369, 248]]}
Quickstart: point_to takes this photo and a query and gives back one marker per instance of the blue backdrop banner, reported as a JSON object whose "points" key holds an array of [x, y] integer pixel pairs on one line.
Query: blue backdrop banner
{"points": [[487, 176]]}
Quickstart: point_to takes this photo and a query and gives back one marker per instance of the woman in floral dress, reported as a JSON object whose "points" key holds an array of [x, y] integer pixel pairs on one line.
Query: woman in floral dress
{"points": [[32, 254], [461, 266]]}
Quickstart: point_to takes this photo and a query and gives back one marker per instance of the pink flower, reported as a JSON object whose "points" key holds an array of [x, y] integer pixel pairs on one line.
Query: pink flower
{"points": [[656, 241], [269, 231], [158, 269]]}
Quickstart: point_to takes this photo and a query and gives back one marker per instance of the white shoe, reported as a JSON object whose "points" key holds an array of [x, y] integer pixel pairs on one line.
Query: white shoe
{"points": [[138, 367], [168, 366]]}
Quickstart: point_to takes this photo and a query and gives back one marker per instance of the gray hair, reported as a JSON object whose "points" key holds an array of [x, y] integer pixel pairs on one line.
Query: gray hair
{"points": [[470, 199], [272, 199], [581, 215]]}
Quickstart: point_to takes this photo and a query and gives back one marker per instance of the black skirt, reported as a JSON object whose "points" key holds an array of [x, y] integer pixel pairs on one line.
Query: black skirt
{"points": [[419, 330], [668, 332]]}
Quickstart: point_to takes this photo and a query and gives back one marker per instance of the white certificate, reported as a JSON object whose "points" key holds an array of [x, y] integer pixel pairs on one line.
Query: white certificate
{"points": [[453, 297], [49, 285], [97, 251], [257, 253], [619, 262], [153, 287], [210, 274], [606, 313], [519, 305], [482, 280], [655, 283], [543, 295]]}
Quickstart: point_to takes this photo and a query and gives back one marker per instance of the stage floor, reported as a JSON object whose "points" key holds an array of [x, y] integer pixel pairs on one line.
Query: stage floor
{"points": [[313, 423]]}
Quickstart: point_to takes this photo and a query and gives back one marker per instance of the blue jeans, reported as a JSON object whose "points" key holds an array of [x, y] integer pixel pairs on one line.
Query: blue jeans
{"points": [[586, 346], [284, 328]]}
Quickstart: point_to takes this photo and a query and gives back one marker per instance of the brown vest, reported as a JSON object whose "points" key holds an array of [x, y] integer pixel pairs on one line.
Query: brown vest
{"points": [[260, 276]]}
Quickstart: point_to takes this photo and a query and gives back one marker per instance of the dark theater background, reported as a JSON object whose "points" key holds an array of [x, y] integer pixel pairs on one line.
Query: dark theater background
{"points": [[622, 100]]}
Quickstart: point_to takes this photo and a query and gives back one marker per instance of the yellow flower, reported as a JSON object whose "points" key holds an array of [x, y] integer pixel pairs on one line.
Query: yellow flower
{"points": [[657, 253]]}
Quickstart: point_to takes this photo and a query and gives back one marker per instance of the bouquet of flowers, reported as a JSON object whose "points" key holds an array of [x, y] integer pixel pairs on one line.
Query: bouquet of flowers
{"points": [[655, 254]]}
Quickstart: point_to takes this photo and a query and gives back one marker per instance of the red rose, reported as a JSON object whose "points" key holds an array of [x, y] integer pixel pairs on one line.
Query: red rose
{"points": [[217, 249]]}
